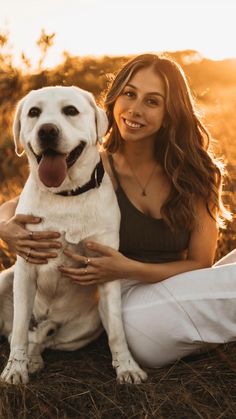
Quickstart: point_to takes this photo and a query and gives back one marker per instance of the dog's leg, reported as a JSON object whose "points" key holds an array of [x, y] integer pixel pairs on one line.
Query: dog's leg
{"points": [[127, 370], [40, 338], [6, 301], [16, 371], [6, 280]]}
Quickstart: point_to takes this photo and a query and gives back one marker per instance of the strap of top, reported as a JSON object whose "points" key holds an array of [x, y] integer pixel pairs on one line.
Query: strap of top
{"points": [[114, 172]]}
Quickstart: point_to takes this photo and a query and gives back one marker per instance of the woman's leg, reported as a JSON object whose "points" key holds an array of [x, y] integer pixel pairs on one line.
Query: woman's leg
{"points": [[229, 258], [183, 314]]}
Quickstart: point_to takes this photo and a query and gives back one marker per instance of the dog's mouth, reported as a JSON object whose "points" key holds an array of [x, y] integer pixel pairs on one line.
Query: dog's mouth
{"points": [[53, 166], [74, 154]]}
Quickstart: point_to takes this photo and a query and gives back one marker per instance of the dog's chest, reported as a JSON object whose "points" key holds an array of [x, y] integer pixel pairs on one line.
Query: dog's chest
{"points": [[66, 302], [76, 217], [57, 294]]}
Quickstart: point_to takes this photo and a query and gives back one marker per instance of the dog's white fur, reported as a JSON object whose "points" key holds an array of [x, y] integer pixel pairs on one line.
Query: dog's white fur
{"points": [[67, 315]]}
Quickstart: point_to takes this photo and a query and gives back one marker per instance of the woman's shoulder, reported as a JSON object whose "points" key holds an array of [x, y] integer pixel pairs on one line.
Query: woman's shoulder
{"points": [[106, 160]]}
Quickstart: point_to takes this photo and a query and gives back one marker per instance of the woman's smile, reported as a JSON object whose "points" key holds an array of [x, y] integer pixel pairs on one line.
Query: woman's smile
{"points": [[132, 124]]}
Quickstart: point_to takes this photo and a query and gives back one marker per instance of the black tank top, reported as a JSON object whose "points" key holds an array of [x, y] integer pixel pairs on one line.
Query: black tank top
{"points": [[145, 238]]}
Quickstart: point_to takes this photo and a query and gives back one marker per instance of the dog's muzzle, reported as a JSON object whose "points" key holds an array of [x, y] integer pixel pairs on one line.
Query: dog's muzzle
{"points": [[53, 165], [48, 135]]}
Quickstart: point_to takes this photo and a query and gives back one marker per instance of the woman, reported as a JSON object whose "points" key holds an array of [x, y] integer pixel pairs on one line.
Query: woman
{"points": [[168, 187]]}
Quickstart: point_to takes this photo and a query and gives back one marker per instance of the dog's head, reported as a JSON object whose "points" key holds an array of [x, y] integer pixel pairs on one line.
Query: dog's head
{"points": [[55, 125]]}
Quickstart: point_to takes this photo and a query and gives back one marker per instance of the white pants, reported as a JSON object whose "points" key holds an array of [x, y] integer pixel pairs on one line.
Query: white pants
{"points": [[181, 315]]}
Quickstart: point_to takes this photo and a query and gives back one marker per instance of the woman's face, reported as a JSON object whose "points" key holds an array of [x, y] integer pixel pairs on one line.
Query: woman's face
{"points": [[140, 109]]}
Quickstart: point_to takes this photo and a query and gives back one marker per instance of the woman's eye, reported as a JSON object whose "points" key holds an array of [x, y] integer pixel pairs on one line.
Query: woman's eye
{"points": [[70, 110], [34, 112], [128, 93], [153, 102]]}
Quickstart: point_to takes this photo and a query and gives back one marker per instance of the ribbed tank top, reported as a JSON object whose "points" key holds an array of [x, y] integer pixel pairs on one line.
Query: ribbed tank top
{"points": [[145, 238]]}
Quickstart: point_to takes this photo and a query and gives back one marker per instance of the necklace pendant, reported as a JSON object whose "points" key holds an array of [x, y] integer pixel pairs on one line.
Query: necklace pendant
{"points": [[145, 186]]}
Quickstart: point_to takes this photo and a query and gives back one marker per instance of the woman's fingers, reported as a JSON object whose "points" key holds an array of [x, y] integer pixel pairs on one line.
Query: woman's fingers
{"points": [[44, 235], [36, 254], [100, 248], [41, 244], [27, 219], [38, 235], [35, 246], [78, 258], [76, 271], [42, 255], [83, 276], [82, 282], [36, 261]]}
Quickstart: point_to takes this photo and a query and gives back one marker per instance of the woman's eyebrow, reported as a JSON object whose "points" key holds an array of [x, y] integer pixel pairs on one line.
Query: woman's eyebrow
{"points": [[149, 93]]}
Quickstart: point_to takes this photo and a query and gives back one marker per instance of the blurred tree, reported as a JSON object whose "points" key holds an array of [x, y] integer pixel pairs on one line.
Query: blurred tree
{"points": [[3, 39], [25, 62], [44, 42], [5, 55]]}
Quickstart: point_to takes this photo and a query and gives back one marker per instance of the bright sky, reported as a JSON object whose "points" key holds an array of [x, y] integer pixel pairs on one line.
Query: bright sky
{"points": [[121, 27]]}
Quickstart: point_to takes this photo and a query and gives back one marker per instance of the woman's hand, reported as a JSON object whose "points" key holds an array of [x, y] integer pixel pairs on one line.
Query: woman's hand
{"points": [[110, 265], [35, 247]]}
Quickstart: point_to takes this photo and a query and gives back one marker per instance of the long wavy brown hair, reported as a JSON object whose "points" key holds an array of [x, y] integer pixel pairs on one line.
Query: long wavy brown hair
{"points": [[182, 146]]}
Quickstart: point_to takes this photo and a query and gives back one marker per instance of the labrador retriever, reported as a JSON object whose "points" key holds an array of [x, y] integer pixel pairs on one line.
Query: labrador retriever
{"points": [[58, 128]]}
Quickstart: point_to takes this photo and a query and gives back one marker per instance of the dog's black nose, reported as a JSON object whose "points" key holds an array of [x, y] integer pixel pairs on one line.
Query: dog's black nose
{"points": [[48, 134]]}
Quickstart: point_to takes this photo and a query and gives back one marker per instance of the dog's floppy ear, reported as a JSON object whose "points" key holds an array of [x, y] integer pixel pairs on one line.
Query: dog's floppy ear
{"points": [[17, 128], [101, 123], [101, 119]]}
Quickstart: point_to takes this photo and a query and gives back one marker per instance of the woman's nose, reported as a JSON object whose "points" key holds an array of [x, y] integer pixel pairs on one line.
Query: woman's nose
{"points": [[135, 110]]}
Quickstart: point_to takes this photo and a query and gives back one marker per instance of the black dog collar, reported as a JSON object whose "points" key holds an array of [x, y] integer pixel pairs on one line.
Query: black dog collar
{"points": [[94, 182]]}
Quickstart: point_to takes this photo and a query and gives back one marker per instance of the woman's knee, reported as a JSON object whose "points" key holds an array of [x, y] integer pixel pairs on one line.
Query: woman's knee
{"points": [[157, 340]]}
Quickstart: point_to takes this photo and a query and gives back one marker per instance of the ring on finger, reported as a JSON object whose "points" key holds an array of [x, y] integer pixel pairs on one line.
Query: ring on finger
{"points": [[31, 235], [86, 262], [28, 255], [85, 270]]}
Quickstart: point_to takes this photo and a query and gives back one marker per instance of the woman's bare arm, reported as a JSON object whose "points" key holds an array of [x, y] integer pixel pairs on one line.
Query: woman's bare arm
{"points": [[7, 210], [112, 265], [20, 240]]}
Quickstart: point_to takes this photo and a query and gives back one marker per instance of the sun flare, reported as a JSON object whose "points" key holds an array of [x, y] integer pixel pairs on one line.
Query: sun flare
{"points": [[105, 27]]}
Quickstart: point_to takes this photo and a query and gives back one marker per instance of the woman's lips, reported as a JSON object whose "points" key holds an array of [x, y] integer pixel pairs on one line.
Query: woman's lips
{"points": [[132, 124]]}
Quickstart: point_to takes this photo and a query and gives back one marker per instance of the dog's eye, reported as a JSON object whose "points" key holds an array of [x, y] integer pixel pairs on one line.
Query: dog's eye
{"points": [[70, 110], [34, 112]]}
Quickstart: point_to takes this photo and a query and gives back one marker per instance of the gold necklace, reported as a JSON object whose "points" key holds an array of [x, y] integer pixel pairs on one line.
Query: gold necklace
{"points": [[143, 188]]}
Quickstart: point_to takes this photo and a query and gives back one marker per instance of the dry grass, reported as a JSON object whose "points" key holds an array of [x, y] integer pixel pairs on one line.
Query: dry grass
{"points": [[81, 384]]}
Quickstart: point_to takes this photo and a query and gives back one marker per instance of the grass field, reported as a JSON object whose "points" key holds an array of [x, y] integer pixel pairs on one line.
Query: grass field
{"points": [[81, 385]]}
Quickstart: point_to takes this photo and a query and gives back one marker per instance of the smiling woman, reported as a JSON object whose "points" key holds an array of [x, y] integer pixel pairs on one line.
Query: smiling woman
{"points": [[168, 188]]}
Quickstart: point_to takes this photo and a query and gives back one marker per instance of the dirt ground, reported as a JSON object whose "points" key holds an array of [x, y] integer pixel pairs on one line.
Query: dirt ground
{"points": [[82, 384]]}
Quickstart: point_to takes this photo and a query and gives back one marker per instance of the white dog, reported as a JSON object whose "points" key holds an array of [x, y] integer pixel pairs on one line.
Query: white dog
{"points": [[58, 128]]}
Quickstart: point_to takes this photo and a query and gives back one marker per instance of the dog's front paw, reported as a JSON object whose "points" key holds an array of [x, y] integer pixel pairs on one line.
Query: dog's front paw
{"points": [[16, 370], [128, 371], [35, 364]]}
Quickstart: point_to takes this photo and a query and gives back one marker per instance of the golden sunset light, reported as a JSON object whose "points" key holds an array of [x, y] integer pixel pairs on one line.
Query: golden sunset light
{"points": [[102, 27], [117, 209]]}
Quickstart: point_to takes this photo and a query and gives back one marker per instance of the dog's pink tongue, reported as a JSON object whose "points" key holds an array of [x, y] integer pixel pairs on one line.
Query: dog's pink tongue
{"points": [[52, 169]]}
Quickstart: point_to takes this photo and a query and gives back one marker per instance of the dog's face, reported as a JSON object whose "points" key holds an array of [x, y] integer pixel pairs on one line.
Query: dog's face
{"points": [[56, 125]]}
